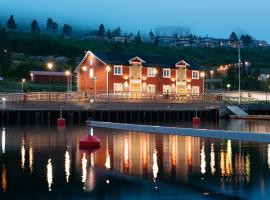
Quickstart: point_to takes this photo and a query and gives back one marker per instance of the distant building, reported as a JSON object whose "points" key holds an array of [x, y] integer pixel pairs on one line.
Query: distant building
{"points": [[264, 74], [43, 77], [136, 74]]}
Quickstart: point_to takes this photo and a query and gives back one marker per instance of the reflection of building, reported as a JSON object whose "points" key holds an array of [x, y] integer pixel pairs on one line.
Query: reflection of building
{"points": [[118, 73]]}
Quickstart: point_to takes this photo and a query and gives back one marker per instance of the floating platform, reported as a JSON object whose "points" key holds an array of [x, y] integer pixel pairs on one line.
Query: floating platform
{"points": [[215, 134], [255, 117]]}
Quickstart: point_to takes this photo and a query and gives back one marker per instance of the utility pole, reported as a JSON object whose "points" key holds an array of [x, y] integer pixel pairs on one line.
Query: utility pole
{"points": [[239, 72]]}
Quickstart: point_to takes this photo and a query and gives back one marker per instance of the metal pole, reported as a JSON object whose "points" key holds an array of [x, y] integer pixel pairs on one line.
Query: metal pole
{"points": [[239, 72], [95, 88], [49, 87], [22, 86], [107, 79]]}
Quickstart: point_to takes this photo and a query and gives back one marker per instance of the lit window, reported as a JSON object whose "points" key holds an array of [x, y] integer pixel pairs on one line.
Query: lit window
{"points": [[151, 88], [195, 74], [118, 70], [151, 72], [195, 90], [117, 87], [91, 73], [166, 73]]}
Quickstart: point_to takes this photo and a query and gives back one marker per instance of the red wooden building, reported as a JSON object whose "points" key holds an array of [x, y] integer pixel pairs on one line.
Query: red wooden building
{"points": [[123, 73]]}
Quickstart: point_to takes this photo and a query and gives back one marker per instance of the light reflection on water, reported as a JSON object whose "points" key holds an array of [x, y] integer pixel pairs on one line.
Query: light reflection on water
{"points": [[153, 159]]}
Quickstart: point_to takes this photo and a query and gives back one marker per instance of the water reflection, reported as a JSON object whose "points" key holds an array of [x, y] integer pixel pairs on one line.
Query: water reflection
{"points": [[155, 165], [67, 165], [31, 157], [212, 161], [84, 168], [3, 140], [23, 153], [49, 174], [203, 162], [4, 178]]}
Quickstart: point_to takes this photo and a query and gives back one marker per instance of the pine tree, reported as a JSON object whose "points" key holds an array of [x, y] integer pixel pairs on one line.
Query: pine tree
{"points": [[49, 24], [233, 37], [54, 27], [35, 27], [67, 30], [11, 24], [151, 35], [116, 32], [101, 30], [138, 39]]}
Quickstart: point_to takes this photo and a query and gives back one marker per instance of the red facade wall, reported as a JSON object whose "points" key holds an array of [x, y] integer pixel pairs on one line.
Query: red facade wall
{"points": [[86, 84]]}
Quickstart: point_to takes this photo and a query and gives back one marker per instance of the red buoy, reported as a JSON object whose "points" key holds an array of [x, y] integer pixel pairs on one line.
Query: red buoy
{"points": [[89, 142], [61, 122], [196, 122]]}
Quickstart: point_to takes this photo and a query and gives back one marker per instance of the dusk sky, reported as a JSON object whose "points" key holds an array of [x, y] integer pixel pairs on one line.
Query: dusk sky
{"points": [[215, 18]]}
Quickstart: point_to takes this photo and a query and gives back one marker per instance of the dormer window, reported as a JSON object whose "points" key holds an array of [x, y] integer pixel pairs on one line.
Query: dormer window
{"points": [[118, 70]]}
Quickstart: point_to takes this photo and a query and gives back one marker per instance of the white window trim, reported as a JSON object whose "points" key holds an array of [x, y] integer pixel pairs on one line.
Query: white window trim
{"points": [[198, 77], [116, 66], [91, 73], [152, 85], [168, 87], [151, 75], [115, 85], [197, 89], [166, 69]]}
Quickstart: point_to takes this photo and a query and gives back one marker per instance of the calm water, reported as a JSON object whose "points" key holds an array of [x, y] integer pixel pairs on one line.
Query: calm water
{"points": [[43, 163]]}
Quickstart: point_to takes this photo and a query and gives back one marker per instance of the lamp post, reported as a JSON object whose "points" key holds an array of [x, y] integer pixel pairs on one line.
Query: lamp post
{"points": [[211, 75], [239, 72], [95, 86], [228, 87], [202, 74], [107, 80], [23, 81], [67, 72], [50, 67]]}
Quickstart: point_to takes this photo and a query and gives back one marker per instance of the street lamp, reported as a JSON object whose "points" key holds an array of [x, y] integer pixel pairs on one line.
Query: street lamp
{"points": [[50, 67], [228, 86], [211, 74], [67, 72], [95, 86], [202, 74], [23, 81], [107, 79]]}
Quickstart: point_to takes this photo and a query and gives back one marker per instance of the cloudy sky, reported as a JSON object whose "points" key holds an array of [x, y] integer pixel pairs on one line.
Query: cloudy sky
{"points": [[215, 18]]}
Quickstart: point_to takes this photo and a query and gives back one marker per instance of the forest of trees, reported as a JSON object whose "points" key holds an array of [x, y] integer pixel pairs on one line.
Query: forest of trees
{"points": [[38, 43]]}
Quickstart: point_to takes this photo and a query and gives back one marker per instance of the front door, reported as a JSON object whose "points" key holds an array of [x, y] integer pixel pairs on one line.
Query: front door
{"points": [[135, 90], [181, 89]]}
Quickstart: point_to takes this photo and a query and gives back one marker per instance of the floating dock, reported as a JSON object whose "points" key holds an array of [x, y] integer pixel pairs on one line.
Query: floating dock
{"points": [[215, 134]]}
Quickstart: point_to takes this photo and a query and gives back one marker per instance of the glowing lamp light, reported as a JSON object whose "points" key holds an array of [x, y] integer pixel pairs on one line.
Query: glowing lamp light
{"points": [[228, 85], [173, 79], [84, 68], [188, 80], [108, 68], [155, 71], [126, 84], [50, 65], [188, 86], [126, 77], [23, 80], [67, 73], [202, 74], [144, 78]]}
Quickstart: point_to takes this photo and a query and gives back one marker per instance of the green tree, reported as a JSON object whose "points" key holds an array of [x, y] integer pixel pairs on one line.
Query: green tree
{"points": [[109, 34], [138, 39], [101, 30], [35, 27], [233, 37], [116, 32], [152, 36], [49, 26], [246, 39], [11, 24], [67, 30], [54, 27]]}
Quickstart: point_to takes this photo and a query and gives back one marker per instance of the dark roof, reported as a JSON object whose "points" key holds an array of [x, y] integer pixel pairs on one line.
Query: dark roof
{"points": [[150, 60]]}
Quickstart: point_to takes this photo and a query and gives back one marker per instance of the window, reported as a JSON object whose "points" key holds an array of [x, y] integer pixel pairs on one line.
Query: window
{"points": [[195, 74], [166, 73], [151, 88], [195, 90], [151, 72], [166, 89], [118, 70], [91, 73], [117, 87]]}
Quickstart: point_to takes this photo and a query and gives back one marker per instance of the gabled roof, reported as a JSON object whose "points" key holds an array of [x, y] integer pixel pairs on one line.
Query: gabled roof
{"points": [[149, 60]]}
